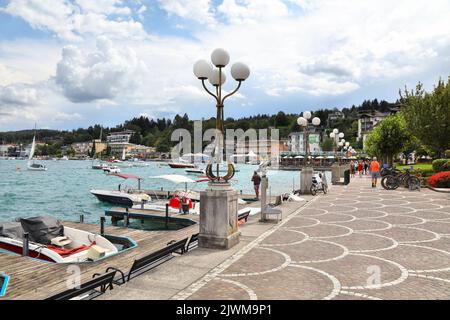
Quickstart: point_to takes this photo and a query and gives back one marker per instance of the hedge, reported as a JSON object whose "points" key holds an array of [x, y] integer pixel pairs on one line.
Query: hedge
{"points": [[440, 165]]}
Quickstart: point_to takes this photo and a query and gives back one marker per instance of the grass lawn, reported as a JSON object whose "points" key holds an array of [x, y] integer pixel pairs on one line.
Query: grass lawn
{"points": [[421, 166]]}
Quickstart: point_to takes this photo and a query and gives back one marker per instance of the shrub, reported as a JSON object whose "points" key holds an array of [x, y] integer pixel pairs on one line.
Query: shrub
{"points": [[447, 153], [440, 180], [441, 165]]}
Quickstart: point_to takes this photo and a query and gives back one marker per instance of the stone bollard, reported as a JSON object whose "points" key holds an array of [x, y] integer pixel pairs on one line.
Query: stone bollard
{"points": [[218, 216], [335, 173], [306, 179], [264, 185]]}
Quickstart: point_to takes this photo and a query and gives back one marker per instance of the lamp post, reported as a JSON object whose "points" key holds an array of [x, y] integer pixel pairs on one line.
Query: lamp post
{"points": [[218, 227], [336, 135], [303, 122], [307, 171], [203, 70]]}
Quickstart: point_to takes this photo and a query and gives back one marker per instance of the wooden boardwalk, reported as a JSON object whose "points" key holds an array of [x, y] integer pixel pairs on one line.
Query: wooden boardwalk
{"points": [[33, 279]]}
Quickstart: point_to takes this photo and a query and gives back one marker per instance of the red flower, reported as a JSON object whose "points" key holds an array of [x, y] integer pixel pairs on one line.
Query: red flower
{"points": [[440, 180]]}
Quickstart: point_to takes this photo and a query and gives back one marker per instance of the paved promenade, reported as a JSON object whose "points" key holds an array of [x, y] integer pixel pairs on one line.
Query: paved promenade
{"points": [[353, 243]]}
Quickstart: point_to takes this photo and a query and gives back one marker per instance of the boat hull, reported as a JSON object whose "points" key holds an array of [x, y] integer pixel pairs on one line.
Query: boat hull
{"points": [[181, 165], [116, 199]]}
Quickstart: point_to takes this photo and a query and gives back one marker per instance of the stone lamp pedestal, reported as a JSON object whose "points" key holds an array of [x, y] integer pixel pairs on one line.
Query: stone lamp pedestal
{"points": [[306, 180], [218, 216]]}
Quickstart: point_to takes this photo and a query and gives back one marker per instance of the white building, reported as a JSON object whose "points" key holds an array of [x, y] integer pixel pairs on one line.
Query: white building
{"points": [[297, 142], [120, 137]]}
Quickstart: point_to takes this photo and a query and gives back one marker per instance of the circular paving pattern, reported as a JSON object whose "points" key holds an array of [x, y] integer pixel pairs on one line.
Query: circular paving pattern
{"points": [[356, 242]]}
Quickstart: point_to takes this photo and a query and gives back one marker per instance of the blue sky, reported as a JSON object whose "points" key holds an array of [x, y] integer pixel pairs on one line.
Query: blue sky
{"points": [[73, 63]]}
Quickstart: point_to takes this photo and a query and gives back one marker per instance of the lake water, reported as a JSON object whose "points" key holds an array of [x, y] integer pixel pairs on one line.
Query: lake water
{"points": [[63, 190]]}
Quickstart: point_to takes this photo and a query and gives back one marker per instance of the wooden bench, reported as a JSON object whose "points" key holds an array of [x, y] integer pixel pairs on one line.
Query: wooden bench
{"points": [[152, 260], [88, 290]]}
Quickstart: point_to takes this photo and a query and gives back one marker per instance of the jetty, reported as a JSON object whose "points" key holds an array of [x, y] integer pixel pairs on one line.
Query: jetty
{"points": [[32, 279]]}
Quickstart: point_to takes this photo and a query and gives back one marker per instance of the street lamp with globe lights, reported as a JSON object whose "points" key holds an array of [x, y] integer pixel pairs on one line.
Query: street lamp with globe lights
{"points": [[203, 70], [303, 122]]}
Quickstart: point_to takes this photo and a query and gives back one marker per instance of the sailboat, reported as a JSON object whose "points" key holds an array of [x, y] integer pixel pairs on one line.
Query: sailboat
{"points": [[31, 164]]}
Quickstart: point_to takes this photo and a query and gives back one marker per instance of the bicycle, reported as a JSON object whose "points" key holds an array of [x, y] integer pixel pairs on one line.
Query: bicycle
{"points": [[318, 185], [397, 178]]}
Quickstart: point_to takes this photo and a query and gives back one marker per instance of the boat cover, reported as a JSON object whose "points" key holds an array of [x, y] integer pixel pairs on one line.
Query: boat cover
{"points": [[42, 229], [11, 229]]}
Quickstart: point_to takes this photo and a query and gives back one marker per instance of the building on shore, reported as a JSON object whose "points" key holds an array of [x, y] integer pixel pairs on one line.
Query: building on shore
{"points": [[119, 137], [367, 120], [82, 149], [296, 141]]}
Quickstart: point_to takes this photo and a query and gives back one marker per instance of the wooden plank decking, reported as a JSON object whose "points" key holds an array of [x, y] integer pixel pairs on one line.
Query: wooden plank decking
{"points": [[34, 279]]}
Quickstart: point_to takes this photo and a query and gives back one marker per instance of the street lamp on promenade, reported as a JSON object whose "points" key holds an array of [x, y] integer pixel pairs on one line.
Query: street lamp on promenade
{"points": [[203, 70], [218, 227], [336, 135], [307, 171], [303, 122]]}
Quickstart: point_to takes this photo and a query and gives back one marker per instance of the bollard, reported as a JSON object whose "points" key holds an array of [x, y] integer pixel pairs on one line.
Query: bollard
{"points": [[142, 205], [81, 218], [126, 218], [102, 226], [167, 216], [26, 244]]}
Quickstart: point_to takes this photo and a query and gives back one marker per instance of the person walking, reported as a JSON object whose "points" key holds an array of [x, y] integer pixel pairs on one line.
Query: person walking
{"points": [[360, 168], [366, 166], [374, 171], [352, 169], [256, 182]]}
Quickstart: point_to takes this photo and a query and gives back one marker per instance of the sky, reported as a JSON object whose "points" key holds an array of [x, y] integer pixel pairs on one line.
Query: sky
{"points": [[66, 64]]}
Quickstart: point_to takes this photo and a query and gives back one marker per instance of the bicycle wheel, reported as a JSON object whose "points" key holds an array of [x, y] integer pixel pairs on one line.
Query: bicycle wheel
{"points": [[313, 189], [413, 183], [390, 182]]}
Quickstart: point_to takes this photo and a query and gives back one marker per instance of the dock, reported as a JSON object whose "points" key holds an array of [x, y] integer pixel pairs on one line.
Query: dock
{"points": [[33, 279]]}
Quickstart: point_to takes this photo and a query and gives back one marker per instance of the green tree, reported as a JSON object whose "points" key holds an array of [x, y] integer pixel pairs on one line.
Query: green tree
{"points": [[427, 115], [327, 144], [388, 138]]}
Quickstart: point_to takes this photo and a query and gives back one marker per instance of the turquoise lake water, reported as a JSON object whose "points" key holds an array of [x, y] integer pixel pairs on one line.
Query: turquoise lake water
{"points": [[63, 190]]}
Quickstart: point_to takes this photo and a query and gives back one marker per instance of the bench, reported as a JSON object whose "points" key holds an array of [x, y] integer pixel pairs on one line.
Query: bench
{"points": [[192, 243], [151, 261], [88, 290]]}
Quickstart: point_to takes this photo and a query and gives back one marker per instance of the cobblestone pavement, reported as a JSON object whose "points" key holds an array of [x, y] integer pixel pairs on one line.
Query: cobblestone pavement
{"points": [[353, 243]]}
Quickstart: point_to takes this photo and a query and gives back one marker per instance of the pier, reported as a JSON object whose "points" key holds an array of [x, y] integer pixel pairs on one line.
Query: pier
{"points": [[32, 279]]}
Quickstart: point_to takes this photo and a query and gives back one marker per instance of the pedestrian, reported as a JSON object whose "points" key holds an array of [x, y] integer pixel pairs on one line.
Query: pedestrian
{"points": [[360, 168], [366, 166], [352, 169], [374, 171], [256, 182]]}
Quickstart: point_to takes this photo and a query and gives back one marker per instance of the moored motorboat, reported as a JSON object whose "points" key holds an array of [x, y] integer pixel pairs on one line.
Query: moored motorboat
{"points": [[181, 165], [195, 171], [111, 169], [123, 195], [120, 197], [50, 241]]}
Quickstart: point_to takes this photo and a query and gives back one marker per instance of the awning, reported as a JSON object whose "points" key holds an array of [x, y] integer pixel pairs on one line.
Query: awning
{"points": [[299, 157], [125, 176], [176, 178]]}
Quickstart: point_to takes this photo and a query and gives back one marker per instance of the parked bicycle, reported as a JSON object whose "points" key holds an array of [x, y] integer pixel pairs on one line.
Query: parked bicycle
{"points": [[397, 178], [318, 184]]}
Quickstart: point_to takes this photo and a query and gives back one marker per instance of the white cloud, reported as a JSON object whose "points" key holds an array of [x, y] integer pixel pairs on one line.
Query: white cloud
{"points": [[73, 21], [104, 74], [18, 95], [197, 10]]}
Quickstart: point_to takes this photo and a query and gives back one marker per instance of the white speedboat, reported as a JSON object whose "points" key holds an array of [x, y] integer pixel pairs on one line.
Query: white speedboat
{"points": [[120, 197], [123, 195], [49, 240], [111, 169], [195, 171]]}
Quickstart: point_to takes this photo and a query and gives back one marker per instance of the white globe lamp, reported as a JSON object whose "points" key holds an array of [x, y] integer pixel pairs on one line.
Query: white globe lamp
{"points": [[220, 57]]}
